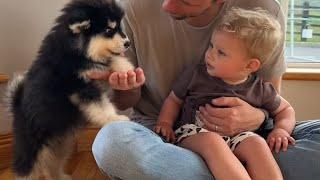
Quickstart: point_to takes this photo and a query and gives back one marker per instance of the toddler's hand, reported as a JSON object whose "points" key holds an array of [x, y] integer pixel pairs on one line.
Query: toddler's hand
{"points": [[279, 138], [165, 129]]}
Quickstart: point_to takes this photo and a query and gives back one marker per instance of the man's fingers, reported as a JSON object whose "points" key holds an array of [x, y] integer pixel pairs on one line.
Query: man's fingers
{"points": [[99, 75], [131, 78], [123, 79], [217, 112], [213, 127], [114, 79], [204, 113], [227, 101], [211, 118], [140, 76]]}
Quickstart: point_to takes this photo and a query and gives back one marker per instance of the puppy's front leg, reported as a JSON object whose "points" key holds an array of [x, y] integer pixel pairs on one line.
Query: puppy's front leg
{"points": [[99, 112]]}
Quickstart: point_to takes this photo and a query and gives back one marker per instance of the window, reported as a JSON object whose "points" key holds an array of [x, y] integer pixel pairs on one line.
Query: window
{"points": [[303, 32]]}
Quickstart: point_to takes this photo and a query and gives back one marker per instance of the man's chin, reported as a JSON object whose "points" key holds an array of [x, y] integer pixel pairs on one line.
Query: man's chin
{"points": [[178, 17]]}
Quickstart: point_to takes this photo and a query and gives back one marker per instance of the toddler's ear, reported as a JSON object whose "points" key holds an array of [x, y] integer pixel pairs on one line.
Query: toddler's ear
{"points": [[253, 65]]}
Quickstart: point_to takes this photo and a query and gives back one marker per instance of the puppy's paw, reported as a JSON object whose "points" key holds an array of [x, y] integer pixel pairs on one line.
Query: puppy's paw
{"points": [[121, 64]]}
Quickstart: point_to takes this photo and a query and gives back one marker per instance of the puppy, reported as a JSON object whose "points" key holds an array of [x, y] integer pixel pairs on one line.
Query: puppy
{"points": [[56, 96]]}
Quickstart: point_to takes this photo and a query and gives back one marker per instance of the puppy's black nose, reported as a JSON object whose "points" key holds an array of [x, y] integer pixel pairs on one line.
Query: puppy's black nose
{"points": [[127, 44]]}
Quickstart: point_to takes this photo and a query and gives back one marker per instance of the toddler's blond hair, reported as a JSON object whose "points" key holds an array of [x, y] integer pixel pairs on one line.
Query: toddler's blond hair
{"points": [[260, 32]]}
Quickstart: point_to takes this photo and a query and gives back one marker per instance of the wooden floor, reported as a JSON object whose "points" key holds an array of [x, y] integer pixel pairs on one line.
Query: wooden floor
{"points": [[81, 166]]}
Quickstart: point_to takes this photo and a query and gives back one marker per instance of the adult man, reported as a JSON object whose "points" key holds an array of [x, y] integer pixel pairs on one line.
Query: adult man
{"points": [[164, 42]]}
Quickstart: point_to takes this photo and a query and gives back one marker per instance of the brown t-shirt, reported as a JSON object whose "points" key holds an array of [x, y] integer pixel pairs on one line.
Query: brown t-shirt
{"points": [[163, 47], [195, 87]]}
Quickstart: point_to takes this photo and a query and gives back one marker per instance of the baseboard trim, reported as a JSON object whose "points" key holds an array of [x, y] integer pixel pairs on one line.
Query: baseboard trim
{"points": [[84, 140], [6, 141], [3, 78]]}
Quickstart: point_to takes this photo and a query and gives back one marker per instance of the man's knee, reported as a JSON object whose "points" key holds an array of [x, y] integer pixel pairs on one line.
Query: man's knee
{"points": [[109, 141], [119, 144], [300, 161]]}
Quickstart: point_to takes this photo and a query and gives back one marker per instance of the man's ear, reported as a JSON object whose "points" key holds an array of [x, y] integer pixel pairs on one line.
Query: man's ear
{"points": [[78, 27], [253, 65]]}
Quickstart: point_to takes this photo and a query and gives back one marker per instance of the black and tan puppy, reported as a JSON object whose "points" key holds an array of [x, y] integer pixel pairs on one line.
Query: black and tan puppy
{"points": [[56, 96]]}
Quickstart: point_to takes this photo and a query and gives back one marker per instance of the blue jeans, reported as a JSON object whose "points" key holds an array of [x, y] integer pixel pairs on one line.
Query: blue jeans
{"points": [[128, 150]]}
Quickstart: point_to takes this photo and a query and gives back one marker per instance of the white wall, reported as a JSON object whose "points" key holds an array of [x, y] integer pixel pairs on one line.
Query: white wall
{"points": [[23, 25], [304, 96]]}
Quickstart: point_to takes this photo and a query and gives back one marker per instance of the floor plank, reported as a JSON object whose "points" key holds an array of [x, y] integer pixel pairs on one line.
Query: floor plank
{"points": [[81, 166]]}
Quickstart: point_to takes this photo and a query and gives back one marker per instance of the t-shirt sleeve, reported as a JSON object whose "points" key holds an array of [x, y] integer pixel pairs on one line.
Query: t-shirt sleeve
{"points": [[270, 100], [180, 86]]}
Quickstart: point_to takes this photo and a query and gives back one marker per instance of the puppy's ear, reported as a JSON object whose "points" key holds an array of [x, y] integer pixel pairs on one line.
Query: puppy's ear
{"points": [[79, 27]]}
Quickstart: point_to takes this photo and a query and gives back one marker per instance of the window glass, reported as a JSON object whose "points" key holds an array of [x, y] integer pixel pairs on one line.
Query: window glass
{"points": [[303, 31]]}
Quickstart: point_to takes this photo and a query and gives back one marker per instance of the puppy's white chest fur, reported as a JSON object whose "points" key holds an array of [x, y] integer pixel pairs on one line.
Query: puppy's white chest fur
{"points": [[102, 111], [121, 64]]}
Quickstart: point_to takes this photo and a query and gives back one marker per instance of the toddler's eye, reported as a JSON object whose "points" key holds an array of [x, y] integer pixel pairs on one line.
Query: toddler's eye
{"points": [[221, 53]]}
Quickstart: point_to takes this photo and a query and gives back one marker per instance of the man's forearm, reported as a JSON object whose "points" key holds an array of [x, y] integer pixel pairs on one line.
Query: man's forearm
{"points": [[125, 99]]}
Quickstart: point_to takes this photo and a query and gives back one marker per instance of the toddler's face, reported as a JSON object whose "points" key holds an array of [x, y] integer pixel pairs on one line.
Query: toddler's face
{"points": [[227, 57]]}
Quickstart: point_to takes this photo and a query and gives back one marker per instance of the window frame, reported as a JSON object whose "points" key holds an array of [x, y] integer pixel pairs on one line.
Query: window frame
{"points": [[303, 65]]}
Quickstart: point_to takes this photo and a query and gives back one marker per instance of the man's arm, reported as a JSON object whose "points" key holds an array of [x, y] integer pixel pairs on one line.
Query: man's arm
{"points": [[125, 99], [126, 88], [126, 91], [238, 117]]}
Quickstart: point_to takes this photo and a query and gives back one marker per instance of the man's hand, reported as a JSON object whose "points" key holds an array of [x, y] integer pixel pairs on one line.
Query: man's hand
{"points": [[279, 139], [165, 129], [238, 116], [122, 80]]}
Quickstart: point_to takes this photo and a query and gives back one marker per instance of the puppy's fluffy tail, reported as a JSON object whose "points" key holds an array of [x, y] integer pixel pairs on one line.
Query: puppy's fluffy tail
{"points": [[25, 148], [14, 90]]}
